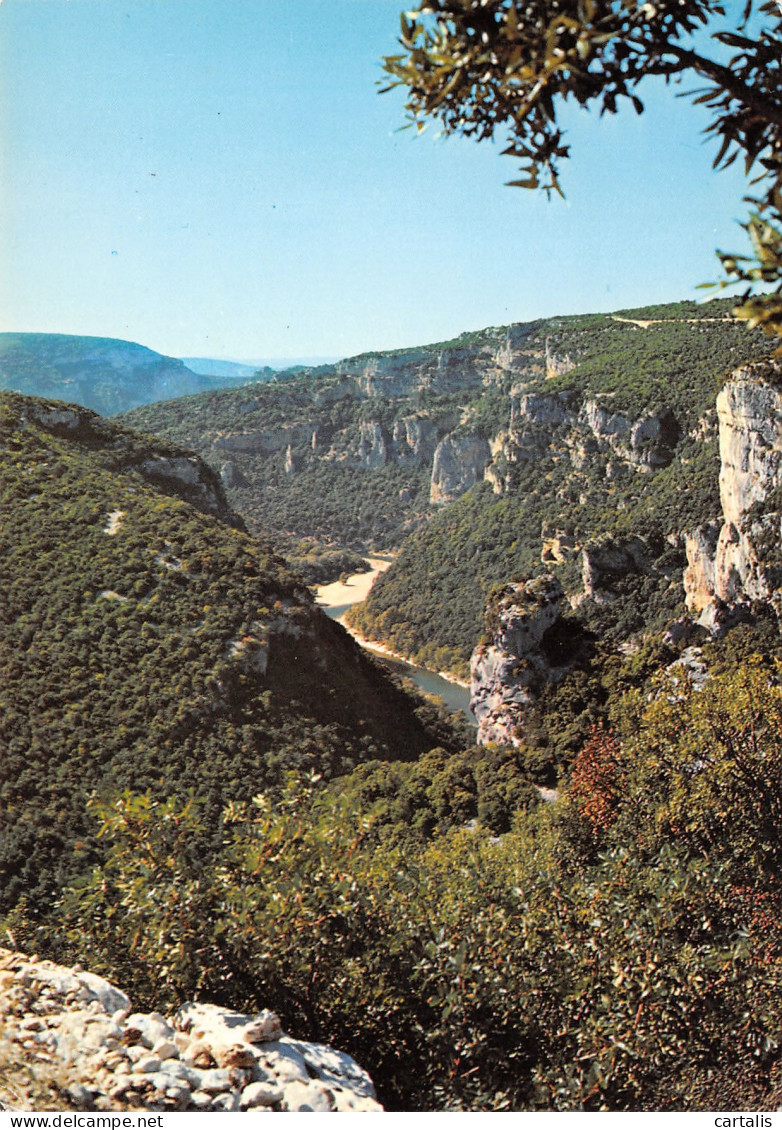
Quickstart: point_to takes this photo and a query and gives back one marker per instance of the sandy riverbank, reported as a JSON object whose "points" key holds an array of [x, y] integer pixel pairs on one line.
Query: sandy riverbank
{"points": [[356, 588], [381, 649]]}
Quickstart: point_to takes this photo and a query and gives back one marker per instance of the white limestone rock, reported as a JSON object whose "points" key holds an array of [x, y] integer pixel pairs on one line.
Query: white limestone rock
{"points": [[509, 667], [205, 1058], [732, 565], [459, 463]]}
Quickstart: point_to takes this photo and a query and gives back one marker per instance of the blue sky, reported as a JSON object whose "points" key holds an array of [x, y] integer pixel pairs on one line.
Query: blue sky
{"points": [[221, 178]]}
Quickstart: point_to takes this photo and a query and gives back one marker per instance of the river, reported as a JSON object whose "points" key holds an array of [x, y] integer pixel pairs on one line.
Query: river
{"points": [[336, 598]]}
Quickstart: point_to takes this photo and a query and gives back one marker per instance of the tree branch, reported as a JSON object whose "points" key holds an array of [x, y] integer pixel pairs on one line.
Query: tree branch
{"points": [[724, 77]]}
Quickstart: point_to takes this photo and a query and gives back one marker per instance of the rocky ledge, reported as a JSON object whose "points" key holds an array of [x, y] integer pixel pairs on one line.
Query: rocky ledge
{"points": [[79, 1034]]}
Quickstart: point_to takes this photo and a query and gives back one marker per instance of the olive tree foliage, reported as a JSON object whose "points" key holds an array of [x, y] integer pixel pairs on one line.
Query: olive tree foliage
{"points": [[505, 68]]}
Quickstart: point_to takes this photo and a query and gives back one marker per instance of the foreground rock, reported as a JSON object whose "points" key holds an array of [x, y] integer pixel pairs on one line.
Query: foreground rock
{"points": [[78, 1033]]}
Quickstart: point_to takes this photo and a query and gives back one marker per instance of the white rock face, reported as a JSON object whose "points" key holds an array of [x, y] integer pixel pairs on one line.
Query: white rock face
{"points": [[398, 374], [557, 363], [539, 408], [544, 422], [204, 1058], [202, 485], [372, 447], [699, 576], [507, 671], [415, 439], [750, 422], [738, 562], [647, 442], [266, 442], [459, 463]]}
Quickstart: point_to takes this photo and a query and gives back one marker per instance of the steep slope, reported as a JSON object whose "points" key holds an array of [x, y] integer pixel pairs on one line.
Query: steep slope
{"points": [[105, 374], [148, 644], [549, 445]]}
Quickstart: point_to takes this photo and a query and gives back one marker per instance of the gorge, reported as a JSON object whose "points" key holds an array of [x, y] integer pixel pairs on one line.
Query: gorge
{"points": [[210, 792]]}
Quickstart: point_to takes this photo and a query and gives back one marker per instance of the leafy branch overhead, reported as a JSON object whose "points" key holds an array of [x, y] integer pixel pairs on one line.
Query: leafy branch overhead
{"points": [[506, 67]]}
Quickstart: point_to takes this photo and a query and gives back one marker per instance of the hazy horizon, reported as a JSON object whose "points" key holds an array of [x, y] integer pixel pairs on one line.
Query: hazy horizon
{"points": [[224, 181]]}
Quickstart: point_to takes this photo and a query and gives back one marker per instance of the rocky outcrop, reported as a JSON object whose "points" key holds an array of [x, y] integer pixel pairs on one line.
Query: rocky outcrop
{"points": [[55, 418], [647, 442], [556, 548], [459, 463], [266, 442], [508, 669], [191, 478], [415, 439], [549, 425], [372, 446], [749, 409], [557, 364], [738, 562], [605, 561], [470, 362], [400, 374], [231, 477], [540, 408], [81, 1033], [699, 576], [177, 473]]}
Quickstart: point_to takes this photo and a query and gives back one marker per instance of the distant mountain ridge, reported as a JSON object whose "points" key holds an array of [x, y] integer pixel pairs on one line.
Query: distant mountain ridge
{"points": [[256, 368], [108, 375], [214, 367]]}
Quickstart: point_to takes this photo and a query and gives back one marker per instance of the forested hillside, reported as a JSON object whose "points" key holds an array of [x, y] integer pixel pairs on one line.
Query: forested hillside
{"points": [[486, 458], [147, 643]]}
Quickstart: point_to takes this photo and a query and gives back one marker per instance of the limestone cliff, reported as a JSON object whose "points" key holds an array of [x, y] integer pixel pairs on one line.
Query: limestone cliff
{"points": [[459, 463], [582, 428], [471, 361], [737, 562], [266, 442], [415, 439], [509, 667]]}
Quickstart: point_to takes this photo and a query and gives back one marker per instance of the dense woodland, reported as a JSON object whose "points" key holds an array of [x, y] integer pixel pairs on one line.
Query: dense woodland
{"points": [[176, 654], [619, 949]]}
